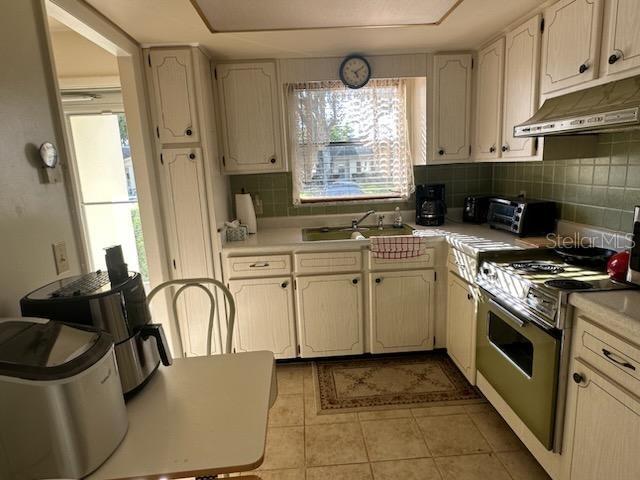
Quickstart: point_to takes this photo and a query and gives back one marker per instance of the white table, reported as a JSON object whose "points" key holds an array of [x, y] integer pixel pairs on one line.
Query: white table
{"points": [[200, 416]]}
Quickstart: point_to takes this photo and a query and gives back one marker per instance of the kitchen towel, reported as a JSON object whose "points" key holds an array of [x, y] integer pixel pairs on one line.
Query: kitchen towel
{"points": [[245, 211], [399, 246]]}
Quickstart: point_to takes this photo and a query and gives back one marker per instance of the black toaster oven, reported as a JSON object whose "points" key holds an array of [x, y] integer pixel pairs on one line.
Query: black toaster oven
{"points": [[522, 217]]}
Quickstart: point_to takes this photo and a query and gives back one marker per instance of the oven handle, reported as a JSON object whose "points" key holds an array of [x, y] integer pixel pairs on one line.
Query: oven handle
{"points": [[518, 321]]}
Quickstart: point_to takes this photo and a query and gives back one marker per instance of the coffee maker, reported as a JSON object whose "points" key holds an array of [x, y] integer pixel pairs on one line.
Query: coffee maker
{"points": [[430, 206], [114, 301]]}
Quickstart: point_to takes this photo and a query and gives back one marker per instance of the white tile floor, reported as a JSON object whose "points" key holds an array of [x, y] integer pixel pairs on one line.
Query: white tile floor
{"points": [[435, 443]]}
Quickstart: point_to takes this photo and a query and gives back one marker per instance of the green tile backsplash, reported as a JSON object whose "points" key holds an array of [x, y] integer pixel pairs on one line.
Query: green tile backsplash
{"points": [[275, 190], [599, 191]]}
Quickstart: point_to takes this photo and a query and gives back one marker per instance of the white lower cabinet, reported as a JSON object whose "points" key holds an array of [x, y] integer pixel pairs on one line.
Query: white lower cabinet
{"points": [[330, 315], [401, 310], [605, 424], [461, 326], [265, 318]]}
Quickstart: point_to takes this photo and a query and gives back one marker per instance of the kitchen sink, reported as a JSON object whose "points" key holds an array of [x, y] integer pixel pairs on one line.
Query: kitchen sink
{"points": [[344, 233]]}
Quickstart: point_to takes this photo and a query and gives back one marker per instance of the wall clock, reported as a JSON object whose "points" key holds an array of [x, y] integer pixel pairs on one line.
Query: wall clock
{"points": [[355, 71]]}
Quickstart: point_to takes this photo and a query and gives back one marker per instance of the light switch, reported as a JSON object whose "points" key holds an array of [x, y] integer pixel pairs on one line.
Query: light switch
{"points": [[60, 257]]}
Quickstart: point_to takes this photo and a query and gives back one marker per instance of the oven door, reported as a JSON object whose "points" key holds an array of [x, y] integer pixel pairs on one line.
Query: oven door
{"points": [[520, 360]]}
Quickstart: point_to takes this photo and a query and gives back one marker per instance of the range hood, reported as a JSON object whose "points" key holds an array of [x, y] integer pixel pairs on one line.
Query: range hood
{"points": [[609, 107]]}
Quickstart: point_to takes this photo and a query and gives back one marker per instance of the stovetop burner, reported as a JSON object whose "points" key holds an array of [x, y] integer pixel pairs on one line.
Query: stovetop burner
{"points": [[568, 284], [537, 267]]}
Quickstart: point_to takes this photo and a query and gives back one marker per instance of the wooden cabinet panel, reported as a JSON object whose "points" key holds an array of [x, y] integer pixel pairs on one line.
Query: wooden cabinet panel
{"points": [[264, 316], [604, 420], [250, 113], [187, 219], [621, 42], [570, 43], [451, 104], [522, 52], [330, 315], [174, 90], [461, 326], [258, 266], [401, 311], [328, 262], [488, 131]]}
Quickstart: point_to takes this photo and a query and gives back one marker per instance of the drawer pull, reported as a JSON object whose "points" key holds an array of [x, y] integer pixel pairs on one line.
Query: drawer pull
{"points": [[259, 265], [616, 359]]}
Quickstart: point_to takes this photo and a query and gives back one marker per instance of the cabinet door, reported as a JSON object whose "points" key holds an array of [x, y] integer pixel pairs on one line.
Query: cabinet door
{"points": [[330, 318], [451, 103], [461, 326], [522, 52], [264, 316], [570, 43], [190, 247], [489, 101], [250, 117], [401, 311], [175, 100], [606, 428], [622, 36]]}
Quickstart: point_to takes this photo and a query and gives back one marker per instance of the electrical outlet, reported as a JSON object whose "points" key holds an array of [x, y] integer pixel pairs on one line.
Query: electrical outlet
{"points": [[60, 257]]}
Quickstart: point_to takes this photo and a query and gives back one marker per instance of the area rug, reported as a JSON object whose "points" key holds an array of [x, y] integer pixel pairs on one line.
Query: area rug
{"points": [[382, 383]]}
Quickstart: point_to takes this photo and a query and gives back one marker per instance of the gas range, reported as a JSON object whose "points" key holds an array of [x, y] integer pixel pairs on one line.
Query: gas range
{"points": [[536, 283]]}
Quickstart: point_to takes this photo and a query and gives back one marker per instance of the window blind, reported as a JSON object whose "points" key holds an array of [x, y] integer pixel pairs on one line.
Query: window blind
{"points": [[347, 144]]}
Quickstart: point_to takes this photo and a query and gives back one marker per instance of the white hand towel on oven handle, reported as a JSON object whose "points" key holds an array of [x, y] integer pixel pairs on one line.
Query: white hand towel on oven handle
{"points": [[400, 246]]}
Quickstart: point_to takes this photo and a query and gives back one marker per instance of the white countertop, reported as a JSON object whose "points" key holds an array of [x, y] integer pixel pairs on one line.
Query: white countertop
{"points": [[617, 311], [201, 416], [467, 237]]}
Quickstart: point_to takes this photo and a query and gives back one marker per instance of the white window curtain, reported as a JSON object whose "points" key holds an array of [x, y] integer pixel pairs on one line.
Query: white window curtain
{"points": [[349, 145]]}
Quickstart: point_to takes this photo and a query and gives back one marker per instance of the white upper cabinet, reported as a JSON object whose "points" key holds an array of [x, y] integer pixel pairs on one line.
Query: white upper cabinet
{"points": [[571, 43], [488, 132], [522, 56], [621, 39], [175, 100], [250, 115], [451, 108]]}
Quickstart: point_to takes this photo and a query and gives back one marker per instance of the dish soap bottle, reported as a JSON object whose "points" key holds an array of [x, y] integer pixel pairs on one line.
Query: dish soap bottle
{"points": [[397, 219]]}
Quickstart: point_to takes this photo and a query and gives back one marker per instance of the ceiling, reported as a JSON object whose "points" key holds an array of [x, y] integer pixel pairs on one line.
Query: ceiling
{"points": [[171, 22], [57, 26]]}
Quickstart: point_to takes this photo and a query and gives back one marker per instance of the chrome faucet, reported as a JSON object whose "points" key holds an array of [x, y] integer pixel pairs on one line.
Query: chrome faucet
{"points": [[355, 223]]}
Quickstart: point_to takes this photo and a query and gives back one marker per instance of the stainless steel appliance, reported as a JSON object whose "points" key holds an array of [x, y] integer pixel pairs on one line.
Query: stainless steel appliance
{"points": [[119, 307], [62, 413], [633, 273], [524, 328], [610, 107], [522, 216], [430, 205], [476, 209]]}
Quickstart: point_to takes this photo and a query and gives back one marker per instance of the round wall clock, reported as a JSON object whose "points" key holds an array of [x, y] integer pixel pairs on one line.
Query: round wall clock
{"points": [[49, 154], [355, 71]]}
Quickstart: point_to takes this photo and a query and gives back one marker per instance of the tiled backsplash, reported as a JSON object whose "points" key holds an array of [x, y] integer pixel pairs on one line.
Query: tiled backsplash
{"points": [[274, 190], [599, 191]]}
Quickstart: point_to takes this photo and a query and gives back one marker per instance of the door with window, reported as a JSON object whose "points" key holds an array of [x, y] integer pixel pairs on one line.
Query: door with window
{"points": [[106, 188]]}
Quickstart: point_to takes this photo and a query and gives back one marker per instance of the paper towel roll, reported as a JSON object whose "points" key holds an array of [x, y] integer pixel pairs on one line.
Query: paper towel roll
{"points": [[245, 211]]}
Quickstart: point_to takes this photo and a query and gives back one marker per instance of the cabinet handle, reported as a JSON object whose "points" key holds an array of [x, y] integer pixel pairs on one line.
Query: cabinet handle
{"points": [[505, 147], [583, 68], [188, 132], [284, 284], [259, 265], [614, 57], [616, 359], [192, 156], [441, 151], [469, 296], [578, 378], [273, 160], [378, 280], [492, 149], [354, 281]]}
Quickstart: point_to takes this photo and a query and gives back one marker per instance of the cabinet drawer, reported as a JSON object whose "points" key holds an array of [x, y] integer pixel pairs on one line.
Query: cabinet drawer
{"points": [[614, 357], [328, 262], [462, 265], [426, 260], [259, 266]]}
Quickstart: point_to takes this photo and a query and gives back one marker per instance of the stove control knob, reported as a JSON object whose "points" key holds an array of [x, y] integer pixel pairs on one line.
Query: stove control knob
{"points": [[517, 218], [519, 210], [486, 271], [578, 378]]}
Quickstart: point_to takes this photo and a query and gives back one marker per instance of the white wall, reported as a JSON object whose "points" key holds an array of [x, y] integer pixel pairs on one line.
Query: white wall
{"points": [[76, 56], [33, 215]]}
